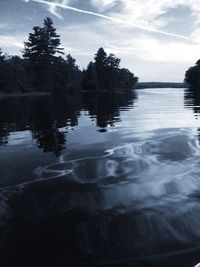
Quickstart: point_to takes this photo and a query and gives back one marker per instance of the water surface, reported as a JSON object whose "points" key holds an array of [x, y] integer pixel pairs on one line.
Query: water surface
{"points": [[100, 180]]}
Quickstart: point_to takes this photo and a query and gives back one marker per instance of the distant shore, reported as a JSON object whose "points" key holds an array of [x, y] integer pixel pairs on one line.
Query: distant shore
{"points": [[143, 85], [159, 85]]}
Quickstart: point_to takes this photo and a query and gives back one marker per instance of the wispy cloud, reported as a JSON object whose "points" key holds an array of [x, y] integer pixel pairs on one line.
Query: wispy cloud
{"points": [[11, 42], [53, 8], [120, 21], [150, 49]]}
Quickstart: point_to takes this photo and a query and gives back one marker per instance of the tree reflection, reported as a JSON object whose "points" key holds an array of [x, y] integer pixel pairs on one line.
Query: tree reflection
{"points": [[192, 100], [4, 134], [43, 116], [50, 140], [49, 118], [106, 106]]}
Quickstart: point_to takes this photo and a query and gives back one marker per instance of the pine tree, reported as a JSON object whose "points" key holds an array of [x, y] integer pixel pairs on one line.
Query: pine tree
{"points": [[100, 60], [33, 50], [40, 51], [52, 41], [43, 43]]}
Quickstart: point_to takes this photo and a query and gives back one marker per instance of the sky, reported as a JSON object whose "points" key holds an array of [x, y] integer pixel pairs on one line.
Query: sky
{"points": [[158, 40]]}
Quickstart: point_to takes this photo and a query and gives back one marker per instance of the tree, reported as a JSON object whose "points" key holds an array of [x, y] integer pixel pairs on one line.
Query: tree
{"points": [[43, 43], [100, 60], [192, 75], [51, 40], [40, 51], [33, 49], [106, 68], [127, 79], [112, 63], [105, 74], [90, 81]]}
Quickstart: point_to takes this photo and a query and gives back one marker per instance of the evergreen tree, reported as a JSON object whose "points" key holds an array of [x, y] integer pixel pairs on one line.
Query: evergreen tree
{"points": [[43, 43], [101, 68], [100, 60], [192, 75], [33, 50], [40, 51], [105, 74], [52, 41]]}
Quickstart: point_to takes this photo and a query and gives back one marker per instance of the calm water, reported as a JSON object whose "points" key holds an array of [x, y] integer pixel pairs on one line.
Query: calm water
{"points": [[100, 180]]}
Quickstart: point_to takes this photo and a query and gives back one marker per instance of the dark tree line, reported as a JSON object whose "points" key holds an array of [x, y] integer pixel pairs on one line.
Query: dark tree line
{"points": [[44, 67], [105, 73]]}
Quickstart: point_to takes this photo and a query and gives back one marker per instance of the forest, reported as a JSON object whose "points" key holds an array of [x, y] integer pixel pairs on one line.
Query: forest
{"points": [[44, 67]]}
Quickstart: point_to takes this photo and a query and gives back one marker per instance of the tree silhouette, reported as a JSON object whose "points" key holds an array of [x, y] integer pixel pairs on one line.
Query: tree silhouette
{"points": [[105, 74], [43, 43], [192, 75], [112, 63], [40, 51], [100, 60], [89, 81]]}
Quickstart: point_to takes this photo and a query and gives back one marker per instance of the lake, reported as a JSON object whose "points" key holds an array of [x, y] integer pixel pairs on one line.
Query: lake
{"points": [[100, 180]]}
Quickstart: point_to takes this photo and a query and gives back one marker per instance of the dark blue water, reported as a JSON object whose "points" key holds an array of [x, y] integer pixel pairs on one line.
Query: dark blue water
{"points": [[100, 180]]}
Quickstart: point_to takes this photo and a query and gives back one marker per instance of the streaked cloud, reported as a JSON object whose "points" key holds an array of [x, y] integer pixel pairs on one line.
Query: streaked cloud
{"points": [[13, 43], [129, 23]]}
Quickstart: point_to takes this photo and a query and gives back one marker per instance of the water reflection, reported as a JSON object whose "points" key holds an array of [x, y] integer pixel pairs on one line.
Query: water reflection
{"points": [[192, 101], [48, 118], [127, 197], [106, 107]]}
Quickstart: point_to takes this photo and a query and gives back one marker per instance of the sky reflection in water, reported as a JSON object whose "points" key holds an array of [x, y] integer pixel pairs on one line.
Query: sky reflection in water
{"points": [[100, 180]]}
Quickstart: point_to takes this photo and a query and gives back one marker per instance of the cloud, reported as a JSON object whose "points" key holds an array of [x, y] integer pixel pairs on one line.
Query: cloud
{"points": [[13, 43], [53, 8], [122, 21], [103, 5], [150, 49]]}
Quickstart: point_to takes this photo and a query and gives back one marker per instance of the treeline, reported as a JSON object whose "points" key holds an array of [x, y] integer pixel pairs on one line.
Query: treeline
{"points": [[44, 67], [105, 73]]}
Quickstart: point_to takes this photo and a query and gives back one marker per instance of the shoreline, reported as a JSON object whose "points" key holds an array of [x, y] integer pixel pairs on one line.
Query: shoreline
{"points": [[30, 94], [146, 85]]}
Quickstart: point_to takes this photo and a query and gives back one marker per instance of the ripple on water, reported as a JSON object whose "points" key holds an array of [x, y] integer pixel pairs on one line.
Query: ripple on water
{"points": [[136, 199]]}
